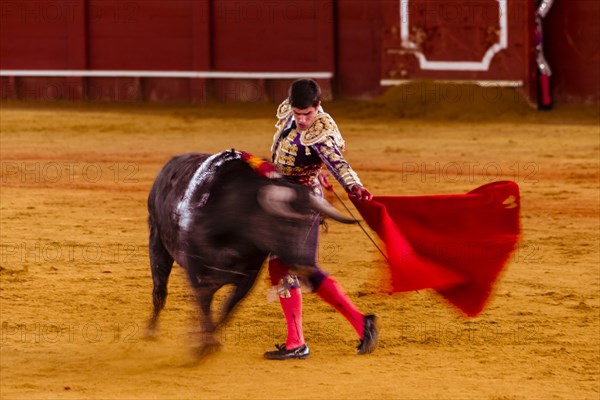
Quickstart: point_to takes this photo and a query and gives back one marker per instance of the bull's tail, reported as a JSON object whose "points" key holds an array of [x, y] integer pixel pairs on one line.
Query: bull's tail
{"points": [[161, 264]]}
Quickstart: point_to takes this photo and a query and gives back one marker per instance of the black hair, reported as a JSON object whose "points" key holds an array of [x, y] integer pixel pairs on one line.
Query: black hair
{"points": [[304, 93]]}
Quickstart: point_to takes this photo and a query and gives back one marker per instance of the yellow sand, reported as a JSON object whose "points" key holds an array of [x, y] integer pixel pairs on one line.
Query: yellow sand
{"points": [[75, 281]]}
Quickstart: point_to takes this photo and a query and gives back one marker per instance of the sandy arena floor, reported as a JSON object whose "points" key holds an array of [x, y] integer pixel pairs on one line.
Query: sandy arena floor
{"points": [[75, 282]]}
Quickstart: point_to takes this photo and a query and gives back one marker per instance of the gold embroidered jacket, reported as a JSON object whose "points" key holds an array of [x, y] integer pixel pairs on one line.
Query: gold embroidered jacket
{"points": [[299, 155]]}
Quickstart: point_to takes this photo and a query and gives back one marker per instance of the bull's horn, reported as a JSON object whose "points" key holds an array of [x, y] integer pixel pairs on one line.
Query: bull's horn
{"points": [[321, 205], [276, 200]]}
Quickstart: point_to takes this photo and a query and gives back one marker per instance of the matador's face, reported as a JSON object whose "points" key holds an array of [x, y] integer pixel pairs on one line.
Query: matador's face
{"points": [[304, 117]]}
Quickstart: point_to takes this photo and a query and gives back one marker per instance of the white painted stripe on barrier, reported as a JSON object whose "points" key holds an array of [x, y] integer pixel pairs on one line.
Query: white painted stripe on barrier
{"points": [[482, 65], [163, 74], [484, 83]]}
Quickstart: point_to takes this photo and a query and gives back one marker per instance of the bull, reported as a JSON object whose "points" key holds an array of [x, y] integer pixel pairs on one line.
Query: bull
{"points": [[219, 219]]}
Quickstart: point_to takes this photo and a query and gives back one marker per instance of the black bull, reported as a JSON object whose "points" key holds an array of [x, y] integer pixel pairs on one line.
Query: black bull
{"points": [[219, 219]]}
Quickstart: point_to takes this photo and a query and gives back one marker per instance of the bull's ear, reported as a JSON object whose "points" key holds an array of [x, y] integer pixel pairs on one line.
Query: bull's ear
{"points": [[276, 200]]}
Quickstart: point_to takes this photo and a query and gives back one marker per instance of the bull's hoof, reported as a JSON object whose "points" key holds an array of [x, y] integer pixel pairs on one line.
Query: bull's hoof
{"points": [[151, 332], [151, 335], [205, 350]]}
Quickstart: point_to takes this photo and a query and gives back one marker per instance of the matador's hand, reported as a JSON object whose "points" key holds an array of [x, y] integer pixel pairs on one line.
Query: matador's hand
{"points": [[360, 193]]}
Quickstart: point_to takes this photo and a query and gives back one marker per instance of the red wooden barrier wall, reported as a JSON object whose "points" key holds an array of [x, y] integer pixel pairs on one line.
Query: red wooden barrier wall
{"points": [[152, 35], [446, 39], [572, 47], [348, 39]]}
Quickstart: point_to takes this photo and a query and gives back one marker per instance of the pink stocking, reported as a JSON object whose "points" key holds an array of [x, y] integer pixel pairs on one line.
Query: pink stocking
{"points": [[292, 309], [332, 293]]}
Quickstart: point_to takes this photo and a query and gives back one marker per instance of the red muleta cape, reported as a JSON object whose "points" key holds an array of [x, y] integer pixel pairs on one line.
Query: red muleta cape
{"points": [[454, 244]]}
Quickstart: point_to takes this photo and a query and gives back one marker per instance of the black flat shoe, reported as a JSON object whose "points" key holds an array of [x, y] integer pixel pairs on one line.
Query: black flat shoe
{"points": [[282, 353], [368, 343]]}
